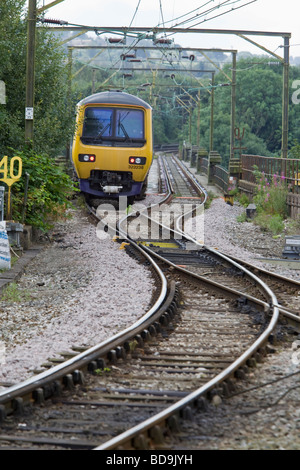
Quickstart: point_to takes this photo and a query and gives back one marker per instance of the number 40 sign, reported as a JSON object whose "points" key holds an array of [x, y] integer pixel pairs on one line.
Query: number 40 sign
{"points": [[10, 172]]}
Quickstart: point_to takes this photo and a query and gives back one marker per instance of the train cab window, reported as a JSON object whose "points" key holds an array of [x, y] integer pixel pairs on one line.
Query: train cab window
{"points": [[97, 122], [113, 127], [130, 123]]}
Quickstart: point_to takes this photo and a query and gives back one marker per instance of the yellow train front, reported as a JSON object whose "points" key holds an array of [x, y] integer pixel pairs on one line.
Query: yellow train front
{"points": [[112, 149]]}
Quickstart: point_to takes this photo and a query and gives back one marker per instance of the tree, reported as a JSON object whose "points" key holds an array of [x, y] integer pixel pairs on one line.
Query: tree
{"points": [[53, 116], [12, 72], [49, 186]]}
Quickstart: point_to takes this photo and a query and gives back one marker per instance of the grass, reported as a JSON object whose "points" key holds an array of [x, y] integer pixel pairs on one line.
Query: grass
{"points": [[12, 293], [270, 200], [210, 197], [270, 223]]}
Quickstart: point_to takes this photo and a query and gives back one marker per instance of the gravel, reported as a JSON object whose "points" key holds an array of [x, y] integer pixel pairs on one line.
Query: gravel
{"points": [[80, 290], [242, 240], [262, 415]]}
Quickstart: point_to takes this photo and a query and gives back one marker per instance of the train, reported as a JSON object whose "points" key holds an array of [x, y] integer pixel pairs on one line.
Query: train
{"points": [[112, 148]]}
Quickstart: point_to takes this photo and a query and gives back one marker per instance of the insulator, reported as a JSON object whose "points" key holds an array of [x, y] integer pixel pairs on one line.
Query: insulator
{"points": [[52, 21], [163, 41], [116, 40], [127, 56]]}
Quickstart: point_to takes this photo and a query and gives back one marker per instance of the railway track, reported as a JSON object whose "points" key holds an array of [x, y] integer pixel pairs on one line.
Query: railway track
{"points": [[210, 322]]}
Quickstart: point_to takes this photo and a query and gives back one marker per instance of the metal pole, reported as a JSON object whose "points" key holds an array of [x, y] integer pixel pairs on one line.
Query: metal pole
{"points": [[30, 72], [190, 111], [211, 145], [93, 80], [198, 120], [285, 105], [233, 105], [27, 176]]}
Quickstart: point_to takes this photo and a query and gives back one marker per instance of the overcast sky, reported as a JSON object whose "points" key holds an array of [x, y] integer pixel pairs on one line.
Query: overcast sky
{"points": [[261, 15]]}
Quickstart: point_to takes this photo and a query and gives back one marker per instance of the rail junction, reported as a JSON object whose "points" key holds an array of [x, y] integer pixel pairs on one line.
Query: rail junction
{"points": [[210, 321]]}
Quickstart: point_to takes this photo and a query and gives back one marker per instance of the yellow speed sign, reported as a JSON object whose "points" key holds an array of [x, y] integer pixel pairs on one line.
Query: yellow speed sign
{"points": [[11, 170]]}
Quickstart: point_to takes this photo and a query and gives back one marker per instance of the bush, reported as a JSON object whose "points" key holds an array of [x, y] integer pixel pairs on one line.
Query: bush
{"points": [[244, 200], [210, 197], [270, 223], [49, 192], [270, 201], [270, 196]]}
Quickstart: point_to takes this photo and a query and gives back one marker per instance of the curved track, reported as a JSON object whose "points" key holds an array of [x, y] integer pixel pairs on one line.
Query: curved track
{"points": [[143, 379]]}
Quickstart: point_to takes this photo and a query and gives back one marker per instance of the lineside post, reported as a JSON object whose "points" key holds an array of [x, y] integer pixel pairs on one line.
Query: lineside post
{"points": [[30, 72]]}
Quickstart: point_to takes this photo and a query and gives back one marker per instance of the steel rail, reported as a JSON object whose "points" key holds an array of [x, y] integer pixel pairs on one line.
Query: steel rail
{"points": [[180, 234], [238, 262], [30, 385], [163, 416], [192, 397], [199, 188], [288, 314], [276, 276], [87, 356]]}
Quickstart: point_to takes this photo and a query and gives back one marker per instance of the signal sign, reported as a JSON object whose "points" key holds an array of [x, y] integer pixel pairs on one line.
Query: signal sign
{"points": [[12, 172]]}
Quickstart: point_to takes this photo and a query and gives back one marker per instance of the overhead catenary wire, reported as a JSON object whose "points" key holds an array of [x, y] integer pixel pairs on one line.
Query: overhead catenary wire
{"points": [[188, 20], [209, 11], [188, 13], [135, 13], [224, 13]]}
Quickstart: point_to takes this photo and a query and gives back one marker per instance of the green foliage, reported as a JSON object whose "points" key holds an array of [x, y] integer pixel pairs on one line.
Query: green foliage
{"points": [[49, 192], [270, 223], [12, 72], [12, 293], [210, 197], [54, 118], [243, 200], [101, 372], [242, 218], [271, 195], [258, 102], [270, 200], [295, 150]]}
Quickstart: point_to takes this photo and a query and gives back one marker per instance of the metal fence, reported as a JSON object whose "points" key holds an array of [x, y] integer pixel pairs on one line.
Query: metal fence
{"points": [[203, 165], [221, 177], [287, 169]]}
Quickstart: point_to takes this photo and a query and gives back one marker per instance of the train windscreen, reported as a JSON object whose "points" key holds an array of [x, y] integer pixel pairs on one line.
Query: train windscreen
{"points": [[122, 127]]}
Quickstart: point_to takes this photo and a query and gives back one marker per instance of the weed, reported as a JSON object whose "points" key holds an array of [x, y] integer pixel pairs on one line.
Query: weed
{"points": [[244, 200], [101, 372], [270, 223], [132, 345], [13, 293], [242, 218], [210, 197], [270, 201]]}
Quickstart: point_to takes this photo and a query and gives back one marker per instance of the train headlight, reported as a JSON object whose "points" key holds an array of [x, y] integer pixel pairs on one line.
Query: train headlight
{"points": [[84, 157], [137, 160]]}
